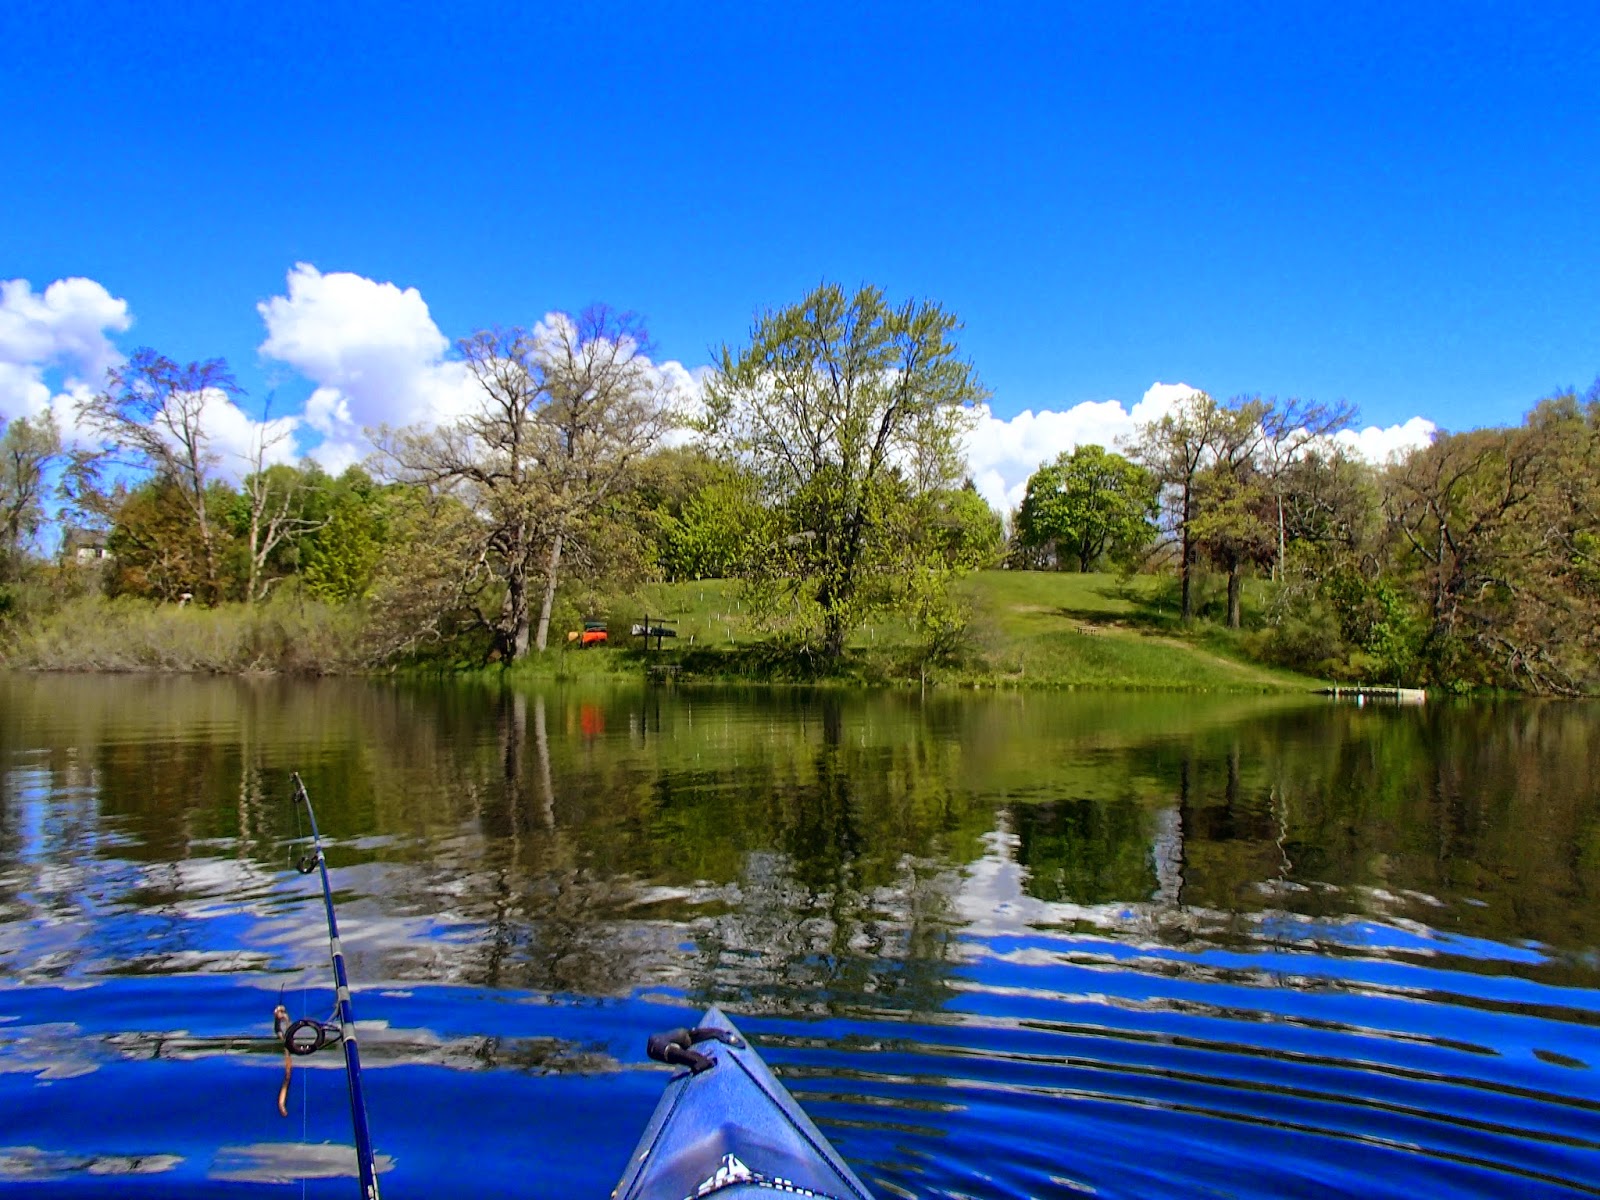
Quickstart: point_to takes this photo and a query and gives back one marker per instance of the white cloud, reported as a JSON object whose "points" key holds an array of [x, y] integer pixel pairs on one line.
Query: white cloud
{"points": [[1001, 454], [1379, 446], [234, 436], [377, 357], [61, 333], [373, 351]]}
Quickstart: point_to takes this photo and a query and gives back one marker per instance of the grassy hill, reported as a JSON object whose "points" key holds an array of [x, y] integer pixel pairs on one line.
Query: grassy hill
{"points": [[1028, 629]]}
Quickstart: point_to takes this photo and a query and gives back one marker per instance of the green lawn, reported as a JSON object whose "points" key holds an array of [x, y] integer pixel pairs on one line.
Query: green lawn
{"points": [[1028, 629]]}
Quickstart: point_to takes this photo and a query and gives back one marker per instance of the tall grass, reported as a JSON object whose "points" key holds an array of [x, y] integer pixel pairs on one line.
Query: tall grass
{"points": [[288, 636]]}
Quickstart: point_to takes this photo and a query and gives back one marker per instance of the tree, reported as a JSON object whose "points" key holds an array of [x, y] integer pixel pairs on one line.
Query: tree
{"points": [[1290, 431], [1325, 498], [340, 554], [155, 546], [420, 594], [27, 450], [846, 408], [1499, 527], [700, 513], [275, 509], [712, 534], [1458, 506], [563, 412], [968, 535], [1232, 524], [153, 410], [1086, 504], [1199, 435]]}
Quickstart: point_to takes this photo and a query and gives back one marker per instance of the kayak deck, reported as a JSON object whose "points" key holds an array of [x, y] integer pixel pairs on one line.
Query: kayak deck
{"points": [[730, 1131]]}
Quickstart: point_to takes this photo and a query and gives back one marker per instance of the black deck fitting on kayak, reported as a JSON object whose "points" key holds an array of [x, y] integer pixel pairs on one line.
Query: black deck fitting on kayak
{"points": [[676, 1047]]}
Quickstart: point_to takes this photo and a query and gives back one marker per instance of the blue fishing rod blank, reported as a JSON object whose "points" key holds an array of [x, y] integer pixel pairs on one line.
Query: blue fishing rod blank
{"points": [[365, 1163]]}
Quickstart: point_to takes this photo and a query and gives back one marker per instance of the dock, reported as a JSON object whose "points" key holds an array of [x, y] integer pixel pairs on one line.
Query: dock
{"points": [[1361, 693]]}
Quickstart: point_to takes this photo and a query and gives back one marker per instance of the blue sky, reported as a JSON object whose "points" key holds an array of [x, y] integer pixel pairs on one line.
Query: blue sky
{"points": [[1396, 208]]}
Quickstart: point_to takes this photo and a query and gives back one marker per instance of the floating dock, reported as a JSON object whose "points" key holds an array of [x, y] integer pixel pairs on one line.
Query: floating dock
{"points": [[1389, 695]]}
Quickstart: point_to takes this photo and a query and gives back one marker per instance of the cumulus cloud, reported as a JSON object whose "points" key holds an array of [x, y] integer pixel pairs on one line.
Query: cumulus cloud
{"points": [[373, 351], [1002, 453], [237, 437], [376, 357], [55, 350], [1382, 445], [60, 335]]}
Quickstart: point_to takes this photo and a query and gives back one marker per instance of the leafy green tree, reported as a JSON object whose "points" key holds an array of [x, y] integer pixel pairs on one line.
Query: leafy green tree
{"points": [[340, 554], [421, 604], [701, 514], [968, 534], [847, 408], [1337, 610], [1177, 450], [1200, 451], [1494, 528], [1233, 525], [563, 413], [714, 532], [1378, 619], [153, 413], [1087, 504], [1325, 498], [27, 450], [156, 547]]}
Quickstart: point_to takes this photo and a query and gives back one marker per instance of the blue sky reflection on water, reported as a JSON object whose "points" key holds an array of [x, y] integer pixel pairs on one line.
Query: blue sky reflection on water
{"points": [[1217, 949]]}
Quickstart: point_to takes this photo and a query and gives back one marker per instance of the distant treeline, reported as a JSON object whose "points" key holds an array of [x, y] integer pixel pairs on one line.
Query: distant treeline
{"points": [[1471, 563], [825, 472]]}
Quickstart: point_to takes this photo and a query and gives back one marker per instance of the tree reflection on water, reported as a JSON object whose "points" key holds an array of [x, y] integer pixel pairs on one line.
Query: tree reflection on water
{"points": [[807, 849]]}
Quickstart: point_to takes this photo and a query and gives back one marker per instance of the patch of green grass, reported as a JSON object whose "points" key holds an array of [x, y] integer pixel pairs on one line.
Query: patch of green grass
{"points": [[1028, 629], [1097, 630]]}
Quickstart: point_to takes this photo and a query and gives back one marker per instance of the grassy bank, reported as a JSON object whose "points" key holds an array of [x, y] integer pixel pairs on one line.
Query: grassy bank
{"points": [[1027, 629]]}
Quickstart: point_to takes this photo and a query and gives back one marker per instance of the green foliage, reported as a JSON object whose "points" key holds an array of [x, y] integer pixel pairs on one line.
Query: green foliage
{"points": [[1490, 529], [340, 557], [1204, 450], [156, 548], [27, 451], [418, 605], [849, 410], [714, 533], [1377, 616], [1332, 620], [967, 534], [1089, 504]]}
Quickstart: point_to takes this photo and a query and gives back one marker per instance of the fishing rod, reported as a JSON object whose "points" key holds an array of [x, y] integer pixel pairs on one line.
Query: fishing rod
{"points": [[307, 1036]]}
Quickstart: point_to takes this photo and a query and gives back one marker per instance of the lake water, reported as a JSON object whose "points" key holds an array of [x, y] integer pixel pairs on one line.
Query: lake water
{"points": [[997, 946]]}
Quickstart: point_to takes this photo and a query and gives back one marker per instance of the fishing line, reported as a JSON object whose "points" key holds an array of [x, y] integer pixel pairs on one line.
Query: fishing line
{"points": [[307, 1035]]}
